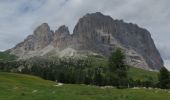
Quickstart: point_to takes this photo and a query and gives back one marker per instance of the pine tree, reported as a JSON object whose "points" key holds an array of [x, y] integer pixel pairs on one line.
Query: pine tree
{"points": [[118, 69], [164, 78]]}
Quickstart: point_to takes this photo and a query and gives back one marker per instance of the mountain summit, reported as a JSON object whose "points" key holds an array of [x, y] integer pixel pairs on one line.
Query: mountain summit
{"points": [[94, 34]]}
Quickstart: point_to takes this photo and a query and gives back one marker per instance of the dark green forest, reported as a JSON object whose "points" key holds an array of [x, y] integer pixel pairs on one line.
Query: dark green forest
{"points": [[110, 72]]}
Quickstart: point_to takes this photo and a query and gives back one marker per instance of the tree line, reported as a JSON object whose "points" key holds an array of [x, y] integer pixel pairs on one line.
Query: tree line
{"points": [[82, 71]]}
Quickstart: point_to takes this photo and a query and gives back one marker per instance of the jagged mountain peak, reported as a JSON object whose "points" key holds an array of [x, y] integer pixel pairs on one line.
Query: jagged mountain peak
{"points": [[97, 15], [93, 21], [94, 33], [42, 29], [63, 30]]}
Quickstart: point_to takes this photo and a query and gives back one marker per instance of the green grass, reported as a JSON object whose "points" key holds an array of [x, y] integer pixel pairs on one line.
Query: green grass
{"points": [[133, 73], [142, 75], [5, 56], [22, 87]]}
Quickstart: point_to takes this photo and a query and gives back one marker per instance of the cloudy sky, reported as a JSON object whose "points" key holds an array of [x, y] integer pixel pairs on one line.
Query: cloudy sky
{"points": [[18, 18]]}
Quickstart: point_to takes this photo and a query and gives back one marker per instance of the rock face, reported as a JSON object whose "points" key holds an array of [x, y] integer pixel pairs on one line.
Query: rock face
{"points": [[94, 34]]}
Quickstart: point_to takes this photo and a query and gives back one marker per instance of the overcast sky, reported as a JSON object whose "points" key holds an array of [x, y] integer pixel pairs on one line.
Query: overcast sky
{"points": [[18, 18]]}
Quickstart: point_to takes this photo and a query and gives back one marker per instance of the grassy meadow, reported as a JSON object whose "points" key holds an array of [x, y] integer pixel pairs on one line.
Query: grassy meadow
{"points": [[25, 87]]}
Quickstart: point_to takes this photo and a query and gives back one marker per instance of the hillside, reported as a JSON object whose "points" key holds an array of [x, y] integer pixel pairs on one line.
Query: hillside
{"points": [[6, 56], [133, 72], [137, 74], [24, 87], [142, 75]]}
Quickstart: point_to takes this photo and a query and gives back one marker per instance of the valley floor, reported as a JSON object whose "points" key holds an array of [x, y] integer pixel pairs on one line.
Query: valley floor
{"points": [[25, 87]]}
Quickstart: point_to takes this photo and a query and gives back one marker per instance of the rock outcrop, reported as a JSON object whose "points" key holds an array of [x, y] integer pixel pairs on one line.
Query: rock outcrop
{"points": [[94, 34]]}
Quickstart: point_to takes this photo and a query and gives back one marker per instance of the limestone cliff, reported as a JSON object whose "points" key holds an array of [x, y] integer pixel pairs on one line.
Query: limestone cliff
{"points": [[94, 34]]}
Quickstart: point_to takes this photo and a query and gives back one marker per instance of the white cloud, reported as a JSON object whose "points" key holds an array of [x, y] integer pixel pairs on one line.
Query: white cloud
{"points": [[18, 18]]}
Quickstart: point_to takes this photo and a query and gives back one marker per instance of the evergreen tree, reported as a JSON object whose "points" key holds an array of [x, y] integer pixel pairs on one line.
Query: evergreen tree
{"points": [[98, 80], [164, 78], [118, 69]]}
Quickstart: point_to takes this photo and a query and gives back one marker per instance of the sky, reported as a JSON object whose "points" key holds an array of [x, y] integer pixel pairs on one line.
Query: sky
{"points": [[18, 18]]}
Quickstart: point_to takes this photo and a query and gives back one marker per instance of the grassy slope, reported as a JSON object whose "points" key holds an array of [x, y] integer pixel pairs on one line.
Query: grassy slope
{"points": [[143, 75], [5, 56], [21, 87], [134, 73]]}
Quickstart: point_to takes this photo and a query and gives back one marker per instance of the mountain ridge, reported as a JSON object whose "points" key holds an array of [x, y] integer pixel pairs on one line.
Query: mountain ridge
{"points": [[94, 34]]}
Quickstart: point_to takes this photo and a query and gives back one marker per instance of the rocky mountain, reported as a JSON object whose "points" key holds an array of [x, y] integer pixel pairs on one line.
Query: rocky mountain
{"points": [[94, 34]]}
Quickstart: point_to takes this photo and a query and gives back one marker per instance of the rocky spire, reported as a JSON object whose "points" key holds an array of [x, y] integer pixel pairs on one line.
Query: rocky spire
{"points": [[63, 29], [61, 32], [41, 37], [42, 29]]}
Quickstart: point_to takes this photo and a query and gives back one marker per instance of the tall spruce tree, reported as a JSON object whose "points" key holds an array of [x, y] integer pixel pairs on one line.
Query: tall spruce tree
{"points": [[118, 69], [164, 78]]}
